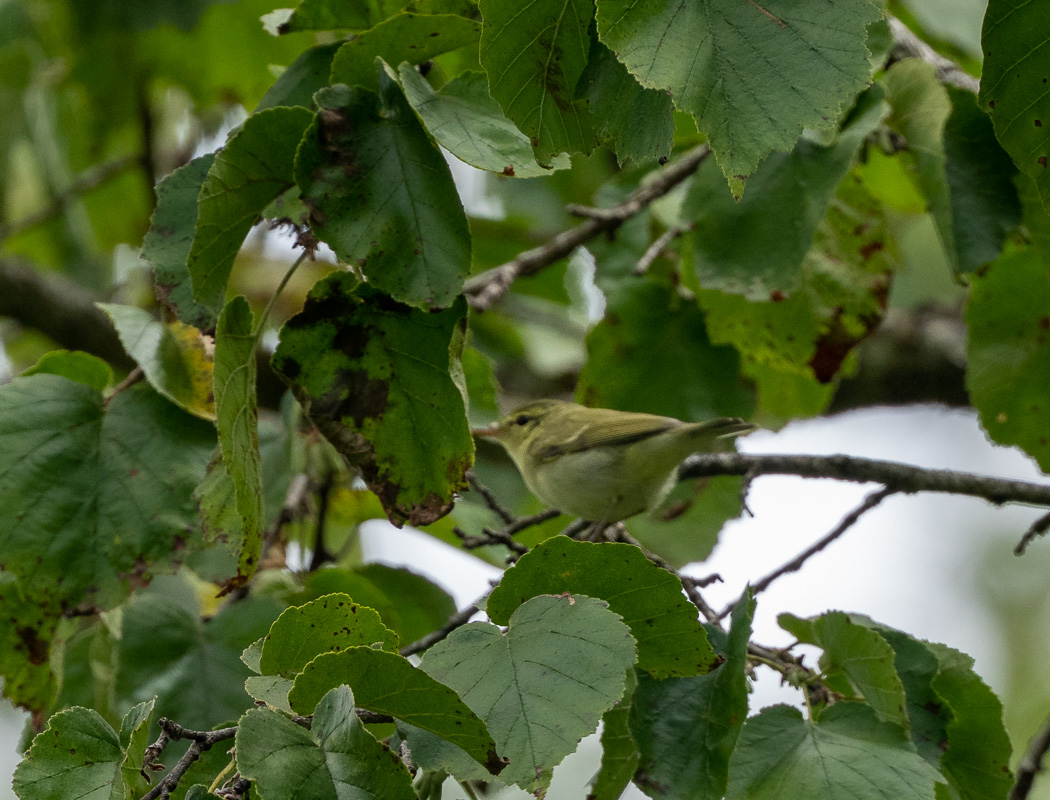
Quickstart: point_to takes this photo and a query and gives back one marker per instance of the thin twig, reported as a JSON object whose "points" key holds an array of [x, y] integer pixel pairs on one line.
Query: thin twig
{"points": [[133, 377], [294, 505], [796, 563], [1031, 763], [902, 478], [656, 248], [692, 591], [485, 289], [89, 180], [320, 555], [490, 498], [490, 537], [522, 523], [457, 620], [590, 212], [504, 536], [1037, 529]]}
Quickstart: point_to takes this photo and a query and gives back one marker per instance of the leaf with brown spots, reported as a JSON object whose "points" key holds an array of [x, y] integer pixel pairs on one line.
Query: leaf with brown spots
{"points": [[757, 245], [374, 376], [97, 499], [329, 624]]}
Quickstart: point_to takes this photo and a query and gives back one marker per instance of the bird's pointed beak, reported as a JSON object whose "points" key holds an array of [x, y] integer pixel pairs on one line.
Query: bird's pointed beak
{"points": [[490, 431]]}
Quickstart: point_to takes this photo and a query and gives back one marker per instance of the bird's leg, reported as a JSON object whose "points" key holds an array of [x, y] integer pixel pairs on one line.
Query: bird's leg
{"points": [[595, 532]]}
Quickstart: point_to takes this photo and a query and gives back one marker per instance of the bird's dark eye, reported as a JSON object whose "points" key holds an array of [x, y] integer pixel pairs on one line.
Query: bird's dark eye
{"points": [[522, 419]]}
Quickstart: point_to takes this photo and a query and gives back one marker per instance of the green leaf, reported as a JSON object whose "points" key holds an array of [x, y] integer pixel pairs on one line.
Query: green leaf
{"points": [[326, 625], [173, 357], [1008, 355], [216, 500], [920, 109], [303, 78], [650, 600], [374, 375], [857, 653], [134, 739], [1014, 85], [980, 174], [956, 720], [755, 246], [620, 755], [685, 377], [409, 604], [638, 123], [479, 376], [534, 55], [167, 244], [190, 663], [388, 684], [1034, 214], [403, 37], [252, 169], [336, 758], [687, 728], [977, 761], [753, 75], [466, 121], [848, 754], [96, 496], [237, 418], [398, 219], [272, 690], [928, 713], [77, 755], [76, 365], [543, 684]]}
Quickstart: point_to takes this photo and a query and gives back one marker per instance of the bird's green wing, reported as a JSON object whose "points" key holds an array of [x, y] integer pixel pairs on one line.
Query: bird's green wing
{"points": [[603, 428]]}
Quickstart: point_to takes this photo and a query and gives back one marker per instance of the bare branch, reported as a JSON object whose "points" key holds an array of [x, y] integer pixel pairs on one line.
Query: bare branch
{"points": [[490, 537], [133, 377], [656, 248], [484, 290], [902, 478], [200, 741], [457, 620], [1037, 529], [796, 563], [60, 309], [489, 497], [1031, 763], [907, 45]]}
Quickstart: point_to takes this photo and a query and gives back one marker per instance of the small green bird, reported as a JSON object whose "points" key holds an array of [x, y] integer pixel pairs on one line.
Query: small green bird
{"points": [[599, 464]]}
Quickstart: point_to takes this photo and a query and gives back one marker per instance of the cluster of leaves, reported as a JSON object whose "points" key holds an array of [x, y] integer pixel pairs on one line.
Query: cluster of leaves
{"points": [[790, 242], [618, 643]]}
